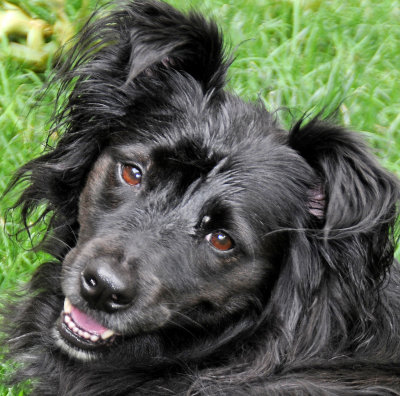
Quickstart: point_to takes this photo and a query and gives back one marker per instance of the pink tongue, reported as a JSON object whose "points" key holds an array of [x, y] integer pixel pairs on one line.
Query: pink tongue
{"points": [[85, 323]]}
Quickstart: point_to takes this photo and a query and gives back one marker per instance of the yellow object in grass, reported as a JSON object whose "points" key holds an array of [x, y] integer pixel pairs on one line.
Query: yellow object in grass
{"points": [[32, 40]]}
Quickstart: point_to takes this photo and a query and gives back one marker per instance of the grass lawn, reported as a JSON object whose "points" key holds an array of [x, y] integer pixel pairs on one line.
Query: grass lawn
{"points": [[302, 55]]}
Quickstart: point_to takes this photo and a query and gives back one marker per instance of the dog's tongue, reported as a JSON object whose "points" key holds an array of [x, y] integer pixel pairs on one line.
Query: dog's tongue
{"points": [[86, 323]]}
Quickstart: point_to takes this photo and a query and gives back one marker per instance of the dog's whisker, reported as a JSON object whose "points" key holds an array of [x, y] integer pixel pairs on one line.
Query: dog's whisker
{"points": [[186, 318]]}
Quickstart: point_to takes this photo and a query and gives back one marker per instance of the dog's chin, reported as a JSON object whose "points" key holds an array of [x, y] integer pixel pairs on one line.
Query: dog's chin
{"points": [[80, 336]]}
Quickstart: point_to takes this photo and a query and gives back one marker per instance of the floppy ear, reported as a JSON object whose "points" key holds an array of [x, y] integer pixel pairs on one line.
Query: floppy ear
{"points": [[144, 36], [356, 193], [358, 208], [335, 265], [122, 67]]}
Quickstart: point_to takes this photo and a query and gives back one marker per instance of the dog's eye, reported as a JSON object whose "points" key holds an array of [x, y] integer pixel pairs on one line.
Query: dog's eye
{"points": [[220, 241], [131, 175]]}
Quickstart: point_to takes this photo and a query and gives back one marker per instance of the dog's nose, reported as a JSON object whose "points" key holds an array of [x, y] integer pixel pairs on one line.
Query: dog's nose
{"points": [[107, 287]]}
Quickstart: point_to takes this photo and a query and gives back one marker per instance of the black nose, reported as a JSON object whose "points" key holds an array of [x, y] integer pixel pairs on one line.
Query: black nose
{"points": [[107, 287]]}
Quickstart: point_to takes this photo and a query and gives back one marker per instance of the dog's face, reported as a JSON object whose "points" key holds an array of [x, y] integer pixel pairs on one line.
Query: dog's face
{"points": [[181, 212], [179, 229]]}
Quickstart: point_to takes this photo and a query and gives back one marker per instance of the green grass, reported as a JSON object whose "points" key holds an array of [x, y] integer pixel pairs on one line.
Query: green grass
{"points": [[302, 55]]}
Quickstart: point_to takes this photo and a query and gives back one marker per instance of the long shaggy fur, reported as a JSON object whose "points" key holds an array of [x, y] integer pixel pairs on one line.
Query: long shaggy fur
{"points": [[304, 299]]}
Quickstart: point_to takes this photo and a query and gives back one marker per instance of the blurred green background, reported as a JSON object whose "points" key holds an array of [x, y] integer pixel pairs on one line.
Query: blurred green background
{"points": [[302, 55]]}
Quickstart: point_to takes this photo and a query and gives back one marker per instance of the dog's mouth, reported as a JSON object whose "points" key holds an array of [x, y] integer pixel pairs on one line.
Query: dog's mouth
{"points": [[81, 331]]}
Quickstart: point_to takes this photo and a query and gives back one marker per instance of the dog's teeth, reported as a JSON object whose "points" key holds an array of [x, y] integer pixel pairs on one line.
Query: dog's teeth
{"points": [[86, 335], [94, 338], [75, 330], [71, 325], [107, 334], [67, 306], [67, 319]]}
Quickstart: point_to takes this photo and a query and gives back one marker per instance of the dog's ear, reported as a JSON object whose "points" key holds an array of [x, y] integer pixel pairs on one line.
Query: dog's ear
{"points": [[137, 58], [356, 203], [335, 265], [144, 36], [355, 194]]}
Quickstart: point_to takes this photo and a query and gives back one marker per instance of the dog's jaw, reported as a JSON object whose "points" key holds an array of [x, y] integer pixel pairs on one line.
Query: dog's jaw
{"points": [[71, 351]]}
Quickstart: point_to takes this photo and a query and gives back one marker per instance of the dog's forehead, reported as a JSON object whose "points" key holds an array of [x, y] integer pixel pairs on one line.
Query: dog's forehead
{"points": [[221, 119], [230, 147], [200, 126]]}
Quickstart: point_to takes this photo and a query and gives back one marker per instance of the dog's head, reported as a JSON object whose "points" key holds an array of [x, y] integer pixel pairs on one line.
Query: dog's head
{"points": [[183, 207]]}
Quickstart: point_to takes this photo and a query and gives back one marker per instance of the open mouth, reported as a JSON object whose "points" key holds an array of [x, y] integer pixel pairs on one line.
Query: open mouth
{"points": [[81, 331]]}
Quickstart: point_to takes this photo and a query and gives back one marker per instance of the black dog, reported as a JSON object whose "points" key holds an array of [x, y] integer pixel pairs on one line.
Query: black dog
{"points": [[204, 250]]}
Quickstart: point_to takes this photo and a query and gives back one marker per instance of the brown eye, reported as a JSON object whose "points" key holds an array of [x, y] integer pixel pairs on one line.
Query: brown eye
{"points": [[131, 175], [220, 240]]}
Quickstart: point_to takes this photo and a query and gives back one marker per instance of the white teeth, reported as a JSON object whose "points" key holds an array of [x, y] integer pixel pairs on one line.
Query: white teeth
{"points": [[86, 335], [107, 334], [67, 306], [94, 338], [67, 319]]}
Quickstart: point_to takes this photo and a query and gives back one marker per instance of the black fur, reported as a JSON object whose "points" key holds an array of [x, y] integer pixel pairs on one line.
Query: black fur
{"points": [[305, 298]]}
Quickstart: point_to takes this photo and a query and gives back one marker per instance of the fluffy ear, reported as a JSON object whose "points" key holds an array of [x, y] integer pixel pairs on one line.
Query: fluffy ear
{"points": [[359, 200], [140, 37], [335, 265], [358, 194], [123, 65]]}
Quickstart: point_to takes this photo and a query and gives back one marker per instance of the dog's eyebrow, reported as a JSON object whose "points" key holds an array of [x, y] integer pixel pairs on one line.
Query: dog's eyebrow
{"points": [[217, 168], [128, 153], [197, 183], [208, 165]]}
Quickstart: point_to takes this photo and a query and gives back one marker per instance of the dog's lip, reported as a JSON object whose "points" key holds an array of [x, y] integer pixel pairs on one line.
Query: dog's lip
{"points": [[82, 330]]}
